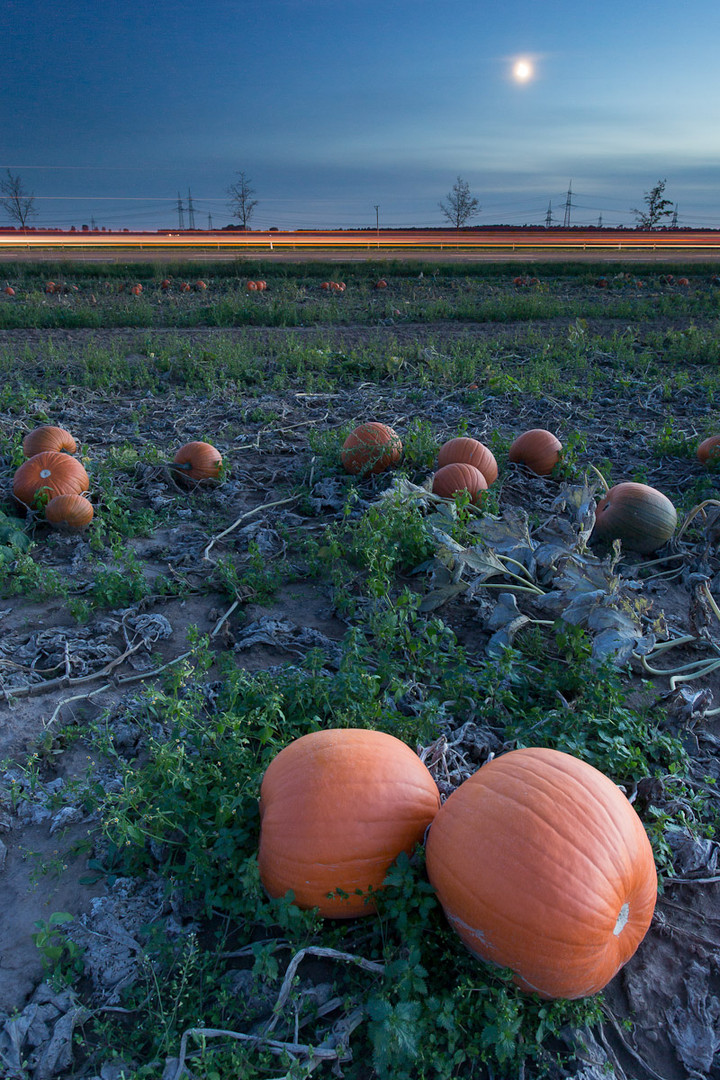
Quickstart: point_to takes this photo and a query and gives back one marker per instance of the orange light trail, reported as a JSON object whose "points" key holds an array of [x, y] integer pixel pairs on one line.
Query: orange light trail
{"points": [[429, 239]]}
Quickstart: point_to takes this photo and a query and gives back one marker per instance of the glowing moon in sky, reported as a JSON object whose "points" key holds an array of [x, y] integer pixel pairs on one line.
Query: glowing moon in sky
{"points": [[522, 70]]}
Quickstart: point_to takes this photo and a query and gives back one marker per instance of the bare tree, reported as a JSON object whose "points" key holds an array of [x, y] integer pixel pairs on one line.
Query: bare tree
{"points": [[242, 203], [658, 208], [17, 203], [460, 205]]}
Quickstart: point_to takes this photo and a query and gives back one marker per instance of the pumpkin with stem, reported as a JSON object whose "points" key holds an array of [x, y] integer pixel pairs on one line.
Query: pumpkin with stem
{"points": [[638, 515], [69, 513], [48, 437], [543, 866], [370, 448], [539, 450], [337, 807], [459, 476], [197, 461], [46, 475], [472, 452]]}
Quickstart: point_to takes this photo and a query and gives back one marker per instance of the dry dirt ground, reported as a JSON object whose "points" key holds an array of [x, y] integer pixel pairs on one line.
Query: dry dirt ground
{"points": [[671, 989]]}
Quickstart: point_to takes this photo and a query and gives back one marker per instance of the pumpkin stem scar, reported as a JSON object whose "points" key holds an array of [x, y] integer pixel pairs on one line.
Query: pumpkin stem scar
{"points": [[621, 920]]}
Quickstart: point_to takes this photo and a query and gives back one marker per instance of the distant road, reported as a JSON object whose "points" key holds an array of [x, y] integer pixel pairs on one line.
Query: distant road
{"points": [[36, 244]]}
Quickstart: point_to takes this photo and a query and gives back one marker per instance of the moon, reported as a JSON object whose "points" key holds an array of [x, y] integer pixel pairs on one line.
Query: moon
{"points": [[522, 70]]}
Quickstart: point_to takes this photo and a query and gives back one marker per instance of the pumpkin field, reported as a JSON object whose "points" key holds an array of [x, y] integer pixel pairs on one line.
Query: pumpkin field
{"points": [[360, 671]]}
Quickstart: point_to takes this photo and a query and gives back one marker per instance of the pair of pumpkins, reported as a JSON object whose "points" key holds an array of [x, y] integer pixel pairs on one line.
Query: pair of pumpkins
{"points": [[51, 475], [464, 464], [539, 861], [256, 286]]}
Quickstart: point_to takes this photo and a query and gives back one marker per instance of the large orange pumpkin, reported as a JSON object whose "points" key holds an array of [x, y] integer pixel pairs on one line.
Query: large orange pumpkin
{"points": [[69, 513], [537, 449], [542, 865], [709, 449], [472, 452], [198, 461], [371, 448], [640, 516], [459, 476], [337, 807], [48, 437], [49, 474]]}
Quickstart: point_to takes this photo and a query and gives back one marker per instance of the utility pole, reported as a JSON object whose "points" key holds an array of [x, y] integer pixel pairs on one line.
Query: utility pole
{"points": [[377, 223], [548, 216], [600, 222], [674, 221], [209, 221], [568, 207], [181, 219], [92, 223], [191, 212]]}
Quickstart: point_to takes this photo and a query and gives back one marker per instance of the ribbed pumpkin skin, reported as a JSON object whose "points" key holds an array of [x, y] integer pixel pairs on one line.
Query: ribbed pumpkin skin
{"points": [[459, 477], [337, 807], [204, 461], [709, 449], [538, 449], [640, 516], [50, 472], [470, 452], [542, 865], [69, 513], [371, 448], [48, 437]]}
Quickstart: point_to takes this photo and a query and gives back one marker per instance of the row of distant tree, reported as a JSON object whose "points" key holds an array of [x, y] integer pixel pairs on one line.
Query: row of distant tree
{"points": [[459, 206]]}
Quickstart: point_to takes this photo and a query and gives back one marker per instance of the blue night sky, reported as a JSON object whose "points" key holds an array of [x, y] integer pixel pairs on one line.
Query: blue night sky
{"points": [[108, 111]]}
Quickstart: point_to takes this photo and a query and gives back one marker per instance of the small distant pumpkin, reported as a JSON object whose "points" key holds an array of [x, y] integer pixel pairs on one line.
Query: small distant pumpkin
{"points": [[709, 449], [602, 283], [638, 515], [337, 807], [48, 437], [198, 461], [251, 286], [471, 451], [165, 283], [261, 285], [136, 290], [381, 284], [539, 450], [50, 287], [185, 286], [200, 286], [325, 285], [69, 513], [48, 474], [456, 477], [9, 290], [683, 281], [370, 448]]}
